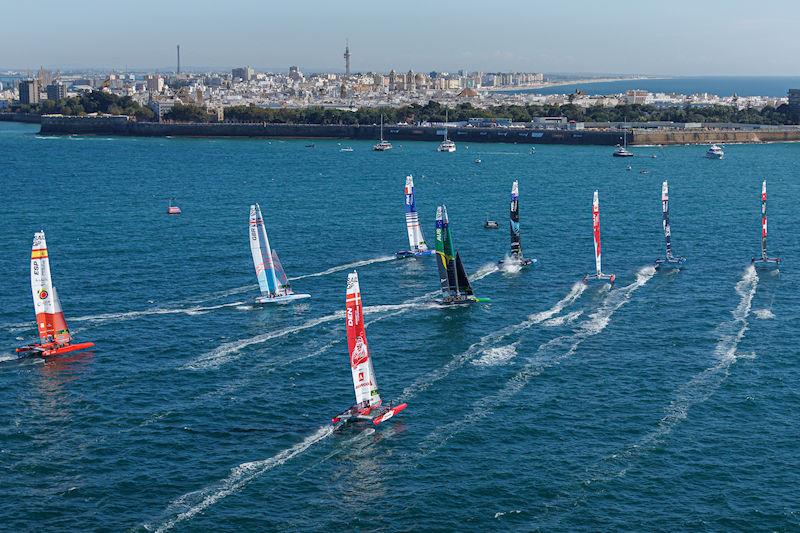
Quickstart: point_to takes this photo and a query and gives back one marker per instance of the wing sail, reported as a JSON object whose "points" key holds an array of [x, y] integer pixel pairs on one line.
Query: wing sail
{"points": [[49, 316], [364, 383], [416, 241], [665, 220], [596, 228], [516, 245]]}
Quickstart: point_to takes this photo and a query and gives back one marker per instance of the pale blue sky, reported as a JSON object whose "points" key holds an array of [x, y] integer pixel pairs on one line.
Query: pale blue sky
{"points": [[676, 37]]}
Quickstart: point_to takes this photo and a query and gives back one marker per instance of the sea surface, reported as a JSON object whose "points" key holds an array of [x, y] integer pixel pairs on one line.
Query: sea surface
{"points": [[776, 86], [667, 403]]}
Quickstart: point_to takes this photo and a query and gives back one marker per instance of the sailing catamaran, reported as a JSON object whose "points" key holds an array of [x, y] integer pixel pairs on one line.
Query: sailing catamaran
{"points": [[272, 279], [516, 257], [368, 404], [383, 145], [765, 262], [669, 262], [598, 275], [456, 288], [54, 335], [416, 242]]}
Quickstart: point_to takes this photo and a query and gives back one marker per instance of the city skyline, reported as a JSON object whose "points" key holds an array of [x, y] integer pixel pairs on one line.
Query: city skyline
{"points": [[516, 36]]}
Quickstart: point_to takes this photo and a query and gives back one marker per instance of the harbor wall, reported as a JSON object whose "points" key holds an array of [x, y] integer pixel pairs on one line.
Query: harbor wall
{"points": [[64, 125], [122, 125], [32, 118]]}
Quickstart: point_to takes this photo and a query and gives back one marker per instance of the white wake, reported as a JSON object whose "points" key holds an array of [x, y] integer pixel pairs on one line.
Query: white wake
{"points": [[198, 501], [548, 354], [700, 387]]}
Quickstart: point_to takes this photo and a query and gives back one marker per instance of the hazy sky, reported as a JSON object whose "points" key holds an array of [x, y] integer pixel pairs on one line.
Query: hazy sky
{"points": [[677, 37]]}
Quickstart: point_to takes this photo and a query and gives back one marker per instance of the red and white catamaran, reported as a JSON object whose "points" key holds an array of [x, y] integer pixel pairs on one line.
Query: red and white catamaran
{"points": [[765, 262], [368, 401], [54, 334], [598, 275]]}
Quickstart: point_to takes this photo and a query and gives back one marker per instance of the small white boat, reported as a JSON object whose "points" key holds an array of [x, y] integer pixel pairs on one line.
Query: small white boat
{"points": [[715, 152], [446, 145], [346, 149], [383, 145]]}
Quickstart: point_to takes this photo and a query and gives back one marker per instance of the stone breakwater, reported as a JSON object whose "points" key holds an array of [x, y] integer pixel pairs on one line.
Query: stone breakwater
{"points": [[121, 125]]}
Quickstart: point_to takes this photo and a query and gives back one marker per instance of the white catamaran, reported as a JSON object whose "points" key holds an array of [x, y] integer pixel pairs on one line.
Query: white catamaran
{"points": [[765, 262], [516, 257], [383, 145], [446, 145], [272, 279], [598, 275], [669, 261], [416, 242], [368, 404]]}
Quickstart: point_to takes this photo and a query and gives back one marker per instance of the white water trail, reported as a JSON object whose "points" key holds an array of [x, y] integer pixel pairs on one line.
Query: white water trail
{"points": [[346, 266], [548, 354], [130, 315], [569, 318], [423, 383], [226, 353], [764, 314], [198, 501], [500, 355], [696, 390]]}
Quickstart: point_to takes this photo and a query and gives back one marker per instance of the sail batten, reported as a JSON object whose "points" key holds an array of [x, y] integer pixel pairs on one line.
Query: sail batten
{"points": [[364, 382]]}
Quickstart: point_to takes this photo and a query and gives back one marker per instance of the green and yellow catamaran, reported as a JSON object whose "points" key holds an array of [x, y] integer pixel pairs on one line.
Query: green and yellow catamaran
{"points": [[456, 288]]}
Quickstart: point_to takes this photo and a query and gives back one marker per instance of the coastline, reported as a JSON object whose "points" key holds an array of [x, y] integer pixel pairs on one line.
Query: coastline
{"points": [[546, 85]]}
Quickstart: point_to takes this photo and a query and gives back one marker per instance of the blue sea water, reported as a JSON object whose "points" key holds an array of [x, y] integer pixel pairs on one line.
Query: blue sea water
{"points": [[668, 403], [776, 86]]}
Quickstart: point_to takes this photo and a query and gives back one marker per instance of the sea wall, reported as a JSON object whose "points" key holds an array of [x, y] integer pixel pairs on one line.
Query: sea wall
{"points": [[714, 136], [107, 125], [122, 125], [32, 118]]}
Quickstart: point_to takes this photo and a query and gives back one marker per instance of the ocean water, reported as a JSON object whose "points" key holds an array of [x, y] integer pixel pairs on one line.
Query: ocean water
{"points": [[777, 86], [667, 403]]}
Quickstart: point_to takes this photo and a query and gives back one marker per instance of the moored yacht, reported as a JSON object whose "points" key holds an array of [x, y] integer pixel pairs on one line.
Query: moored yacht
{"points": [[446, 145], [622, 151], [383, 144], [715, 152]]}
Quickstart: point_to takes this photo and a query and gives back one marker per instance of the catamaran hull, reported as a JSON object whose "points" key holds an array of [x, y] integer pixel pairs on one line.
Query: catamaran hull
{"points": [[42, 350], [281, 299], [460, 302], [676, 263], [408, 254], [610, 278], [772, 263], [519, 262], [352, 416]]}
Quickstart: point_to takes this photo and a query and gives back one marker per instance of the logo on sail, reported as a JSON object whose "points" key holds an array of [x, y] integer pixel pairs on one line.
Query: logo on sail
{"points": [[360, 354], [43, 294]]}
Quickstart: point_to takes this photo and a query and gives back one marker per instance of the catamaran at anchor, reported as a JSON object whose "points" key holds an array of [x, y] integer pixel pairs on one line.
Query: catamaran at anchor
{"points": [[598, 275], [456, 288], [765, 262], [272, 279], [54, 335], [516, 257], [416, 242], [669, 262], [368, 404]]}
